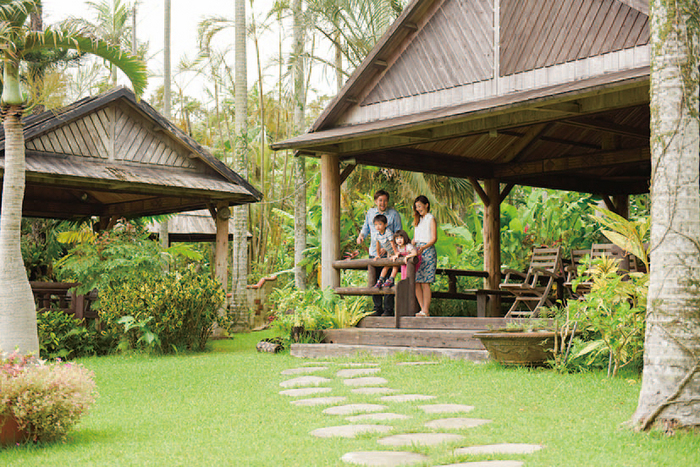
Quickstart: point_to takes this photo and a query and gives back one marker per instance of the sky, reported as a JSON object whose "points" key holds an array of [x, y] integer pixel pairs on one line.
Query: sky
{"points": [[185, 16]]}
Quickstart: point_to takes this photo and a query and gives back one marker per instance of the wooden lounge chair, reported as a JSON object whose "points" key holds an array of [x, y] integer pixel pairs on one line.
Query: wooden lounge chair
{"points": [[598, 250], [535, 287], [577, 257]]}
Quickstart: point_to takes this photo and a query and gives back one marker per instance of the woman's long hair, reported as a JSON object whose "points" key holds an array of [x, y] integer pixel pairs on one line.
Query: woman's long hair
{"points": [[416, 216]]}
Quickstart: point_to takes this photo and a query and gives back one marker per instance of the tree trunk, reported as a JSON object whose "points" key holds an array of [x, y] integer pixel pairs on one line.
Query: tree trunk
{"points": [[240, 213], [164, 226], [17, 308], [670, 392], [299, 163]]}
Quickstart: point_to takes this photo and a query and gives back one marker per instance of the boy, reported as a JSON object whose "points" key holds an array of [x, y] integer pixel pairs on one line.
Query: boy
{"points": [[385, 248]]}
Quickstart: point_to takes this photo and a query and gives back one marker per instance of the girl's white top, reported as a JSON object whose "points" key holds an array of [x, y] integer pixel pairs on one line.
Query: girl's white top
{"points": [[422, 232]]}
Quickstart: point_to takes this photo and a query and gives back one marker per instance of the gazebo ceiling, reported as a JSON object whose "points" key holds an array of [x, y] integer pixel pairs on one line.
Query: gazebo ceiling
{"points": [[113, 156], [577, 119]]}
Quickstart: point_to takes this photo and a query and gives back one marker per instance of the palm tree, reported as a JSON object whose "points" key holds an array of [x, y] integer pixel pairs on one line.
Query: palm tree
{"points": [[17, 310], [164, 225], [670, 391]]}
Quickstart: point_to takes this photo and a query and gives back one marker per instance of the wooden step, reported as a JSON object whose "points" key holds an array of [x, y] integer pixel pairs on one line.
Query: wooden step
{"points": [[435, 322], [432, 338], [345, 350]]}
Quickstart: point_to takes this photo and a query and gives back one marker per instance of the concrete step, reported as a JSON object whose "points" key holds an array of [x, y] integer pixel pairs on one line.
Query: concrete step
{"points": [[436, 322], [430, 338], [346, 350]]}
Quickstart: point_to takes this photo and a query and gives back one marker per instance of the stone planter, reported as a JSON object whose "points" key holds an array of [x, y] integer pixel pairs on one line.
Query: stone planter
{"points": [[531, 348]]}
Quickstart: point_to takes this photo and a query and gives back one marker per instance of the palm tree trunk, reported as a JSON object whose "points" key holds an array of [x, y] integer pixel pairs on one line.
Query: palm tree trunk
{"points": [[17, 308], [299, 162], [240, 213], [671, 380]]}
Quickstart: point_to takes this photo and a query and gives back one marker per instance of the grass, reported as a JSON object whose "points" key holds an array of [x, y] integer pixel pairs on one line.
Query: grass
{"points": [[223, 408]]}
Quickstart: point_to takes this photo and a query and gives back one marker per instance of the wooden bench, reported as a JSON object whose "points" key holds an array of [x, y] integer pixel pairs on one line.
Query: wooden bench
{"points": [[481, 296]]}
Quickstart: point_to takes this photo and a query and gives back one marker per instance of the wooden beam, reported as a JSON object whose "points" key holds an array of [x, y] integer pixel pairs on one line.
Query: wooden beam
{"points": [[608, 203], [565, 164], [428, 162], [532, 134], [506, 191], [330, 220], [346, 172], [609, 127], [479, 191]]}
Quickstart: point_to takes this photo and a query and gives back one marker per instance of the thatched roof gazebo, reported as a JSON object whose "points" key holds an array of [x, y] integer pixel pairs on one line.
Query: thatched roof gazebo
{"points": [[502, 92], [113, 156]]}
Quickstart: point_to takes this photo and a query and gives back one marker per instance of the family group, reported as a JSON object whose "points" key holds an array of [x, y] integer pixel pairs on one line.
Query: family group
{"points": [[389, 240]]}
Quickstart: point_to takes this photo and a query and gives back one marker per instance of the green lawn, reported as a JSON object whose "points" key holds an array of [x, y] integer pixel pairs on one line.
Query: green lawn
{"points": [[223, 408]]}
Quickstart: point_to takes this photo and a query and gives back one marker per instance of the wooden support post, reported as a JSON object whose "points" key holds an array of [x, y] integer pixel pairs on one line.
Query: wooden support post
{"points": [[622, 205], [221, 251], [492, 244], [330, 221]]}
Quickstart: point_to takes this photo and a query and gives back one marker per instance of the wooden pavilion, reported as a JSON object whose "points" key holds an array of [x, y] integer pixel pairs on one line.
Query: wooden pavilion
{"points": [[112, 156], [500, 92]]}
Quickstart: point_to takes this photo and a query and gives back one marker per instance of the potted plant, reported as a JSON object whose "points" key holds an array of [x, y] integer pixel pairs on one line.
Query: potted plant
{"points": [[41, 401]]}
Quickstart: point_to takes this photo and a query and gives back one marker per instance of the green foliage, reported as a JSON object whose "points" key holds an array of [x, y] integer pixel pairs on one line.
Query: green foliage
{"points": [[631, 236], [46, 400], [63, 336], [41, 247], [161, 312]]}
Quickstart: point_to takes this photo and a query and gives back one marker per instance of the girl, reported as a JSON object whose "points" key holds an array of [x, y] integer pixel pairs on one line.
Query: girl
{"points": [[405, 250], [424, 238]]}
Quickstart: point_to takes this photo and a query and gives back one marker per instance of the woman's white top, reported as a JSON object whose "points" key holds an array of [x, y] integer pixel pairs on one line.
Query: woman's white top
{"points": [[422, 232]]}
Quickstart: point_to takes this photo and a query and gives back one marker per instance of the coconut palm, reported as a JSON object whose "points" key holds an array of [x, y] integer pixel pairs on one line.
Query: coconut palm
{"points": [[670, 391], [17, 311]]}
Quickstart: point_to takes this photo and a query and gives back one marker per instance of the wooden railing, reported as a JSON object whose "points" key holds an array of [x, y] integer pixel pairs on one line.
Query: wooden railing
{"points": [[47, 294]]}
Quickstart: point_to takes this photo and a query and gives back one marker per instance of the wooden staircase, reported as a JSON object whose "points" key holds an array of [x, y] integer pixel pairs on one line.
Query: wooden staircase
{"points": [[433, 336]]}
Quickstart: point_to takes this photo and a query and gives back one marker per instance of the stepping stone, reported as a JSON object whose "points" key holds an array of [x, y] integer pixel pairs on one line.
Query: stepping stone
{"points": [[351, 373], [320, 401], [424, 439], [372, 390], [457, 423], [446, 408], [304, 370], [407, 398], [316, 363], [351, 409], [377, 416], [417, 363], [349, 431], [304, 391], [505, 448], [487, 464], [366, 381], [304, 381], [359, 364], [384, 458]]}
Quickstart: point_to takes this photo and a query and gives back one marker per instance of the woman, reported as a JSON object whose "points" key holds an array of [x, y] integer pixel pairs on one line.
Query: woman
{"points": [[424, 238]]}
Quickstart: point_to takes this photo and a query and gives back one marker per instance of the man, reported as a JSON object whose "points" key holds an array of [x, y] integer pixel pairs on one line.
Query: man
{"points": [[381, 203]]}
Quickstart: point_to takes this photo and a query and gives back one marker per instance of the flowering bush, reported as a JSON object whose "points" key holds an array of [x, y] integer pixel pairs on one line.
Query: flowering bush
{"points": [[45, 400]]}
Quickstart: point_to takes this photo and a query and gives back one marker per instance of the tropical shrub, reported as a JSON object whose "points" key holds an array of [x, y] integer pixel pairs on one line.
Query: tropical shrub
{"points": [[46, 400], [63, 336], [161, 312]]}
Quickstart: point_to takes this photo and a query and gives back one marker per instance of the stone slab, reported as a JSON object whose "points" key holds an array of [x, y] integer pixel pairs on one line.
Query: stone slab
{"points": [[351, 409], [424, 439], [487, 464], [417, 363], [358, 364], [304, 370], [407, 398], [304, 391], [349, 431], [304, 381], [320, 401], [353, 350], [372, 390], [504, 448], [354, 372], [446, 408], [451, 423], [377, 416], [365, 381], [384, 458]]}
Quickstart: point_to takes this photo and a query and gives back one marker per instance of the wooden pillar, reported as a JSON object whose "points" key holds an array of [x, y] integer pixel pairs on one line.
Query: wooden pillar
{"points": [[221, 251], [622, 205], [492, 243], [330, 221]]}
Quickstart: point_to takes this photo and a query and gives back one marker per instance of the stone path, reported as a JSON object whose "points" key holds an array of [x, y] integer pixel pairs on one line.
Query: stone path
{"points": [[361, 415]]}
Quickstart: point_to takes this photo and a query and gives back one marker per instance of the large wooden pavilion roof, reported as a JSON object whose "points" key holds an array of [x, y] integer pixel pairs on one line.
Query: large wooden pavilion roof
{"points": [[113, 156], [548, 94]]}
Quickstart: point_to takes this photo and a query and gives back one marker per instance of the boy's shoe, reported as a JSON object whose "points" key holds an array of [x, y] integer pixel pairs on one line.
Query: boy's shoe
{"points": [[389, 282], [388, 313], [380, 283], [377, 313]]}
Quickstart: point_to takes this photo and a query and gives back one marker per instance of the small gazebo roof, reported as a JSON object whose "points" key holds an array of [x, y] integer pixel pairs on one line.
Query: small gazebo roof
{"points": [[527, 92], [115, 156]]}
